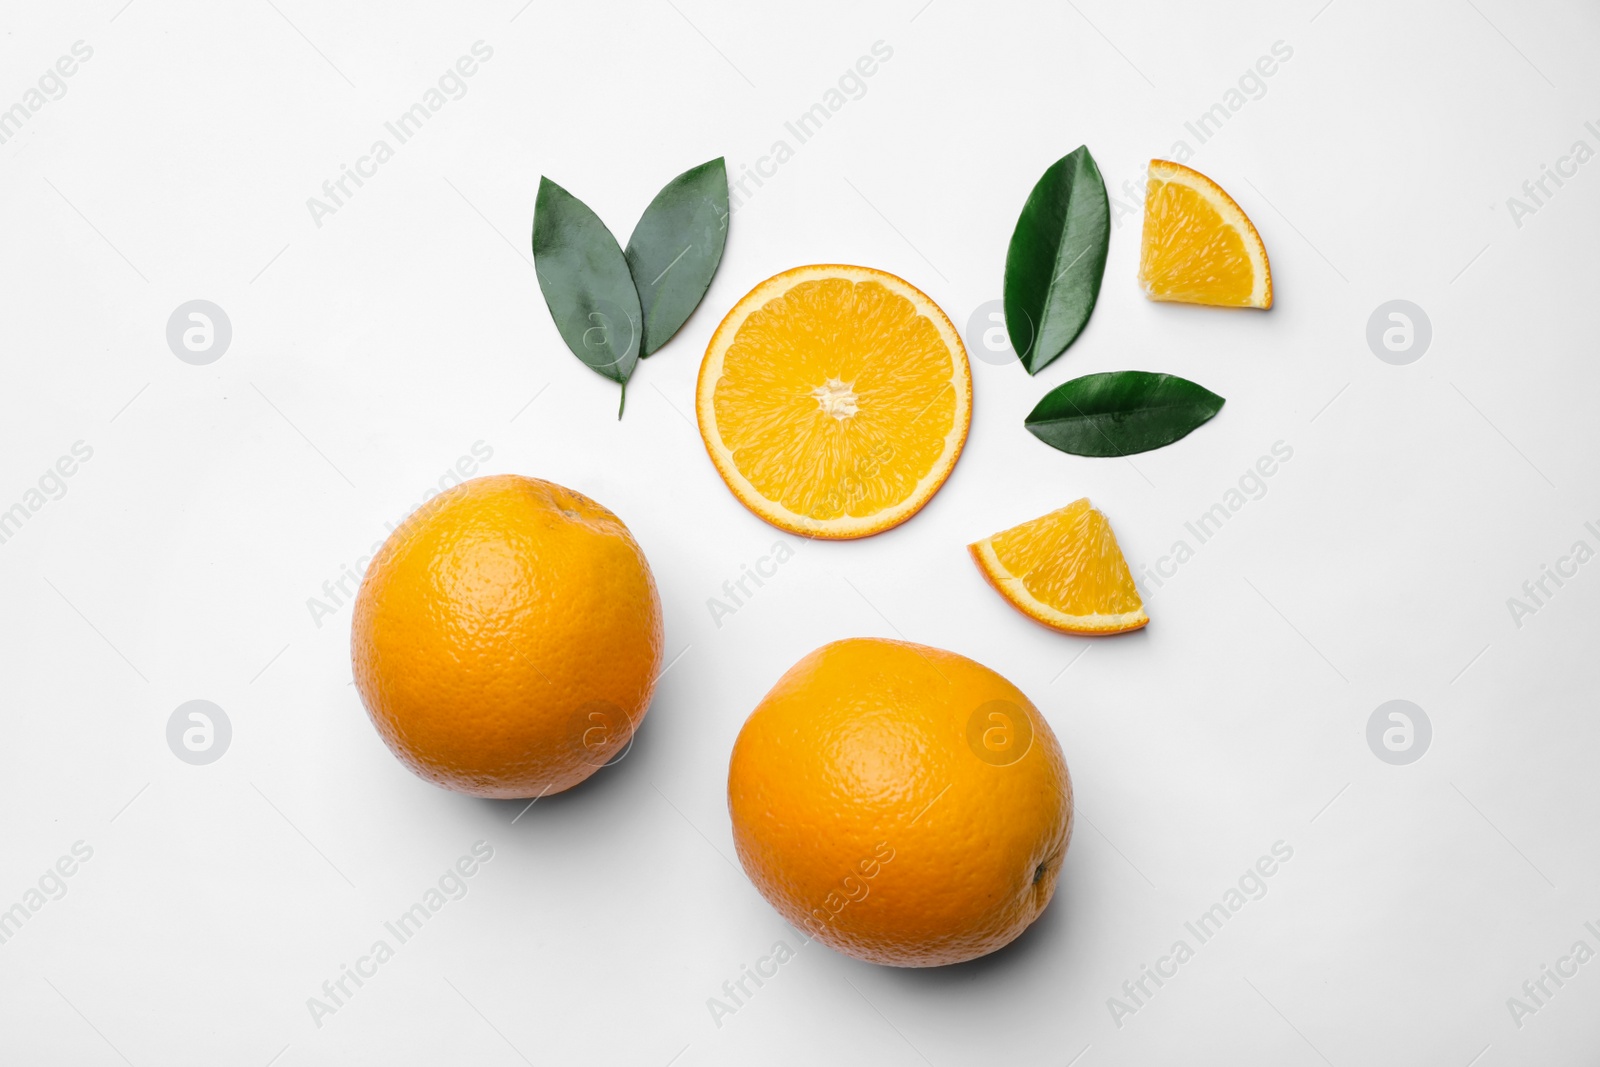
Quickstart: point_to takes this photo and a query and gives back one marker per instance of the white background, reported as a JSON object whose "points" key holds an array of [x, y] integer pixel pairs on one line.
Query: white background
{"points": [[371, 352]]}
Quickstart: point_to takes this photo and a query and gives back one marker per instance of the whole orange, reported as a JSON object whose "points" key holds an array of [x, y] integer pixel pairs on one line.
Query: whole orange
{"points": [[901, 804], [507, 638]]}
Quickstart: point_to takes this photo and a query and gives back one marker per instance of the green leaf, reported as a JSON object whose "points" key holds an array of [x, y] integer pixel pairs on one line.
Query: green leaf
{"points": [[1056, 260], [676, 247], [586, 284], [1120, 413]]}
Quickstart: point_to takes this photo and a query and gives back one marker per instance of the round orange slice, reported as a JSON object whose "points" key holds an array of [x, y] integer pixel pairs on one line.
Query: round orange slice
{"points": [[834, 400], [1064, 570], [1199, 247]]}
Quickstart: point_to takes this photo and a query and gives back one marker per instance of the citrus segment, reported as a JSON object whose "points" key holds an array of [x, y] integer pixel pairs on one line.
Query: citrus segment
{"points": [[1199, 247], [1064, 570], [834, 400]]}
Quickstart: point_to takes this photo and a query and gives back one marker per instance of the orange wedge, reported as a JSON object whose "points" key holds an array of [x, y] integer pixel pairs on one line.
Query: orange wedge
{"points": [[1064, 570], [834, 400], [1198, 246]]}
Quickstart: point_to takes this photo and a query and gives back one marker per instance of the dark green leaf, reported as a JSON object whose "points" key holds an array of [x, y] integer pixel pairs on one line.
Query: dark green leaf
{"points": [[585, 281], [676, 247], [1120, 413], [1056, 260]]}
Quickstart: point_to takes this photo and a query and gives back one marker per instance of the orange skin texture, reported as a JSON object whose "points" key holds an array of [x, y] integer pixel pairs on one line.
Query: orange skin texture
{"points": [[864, 816], [507, 638]]}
